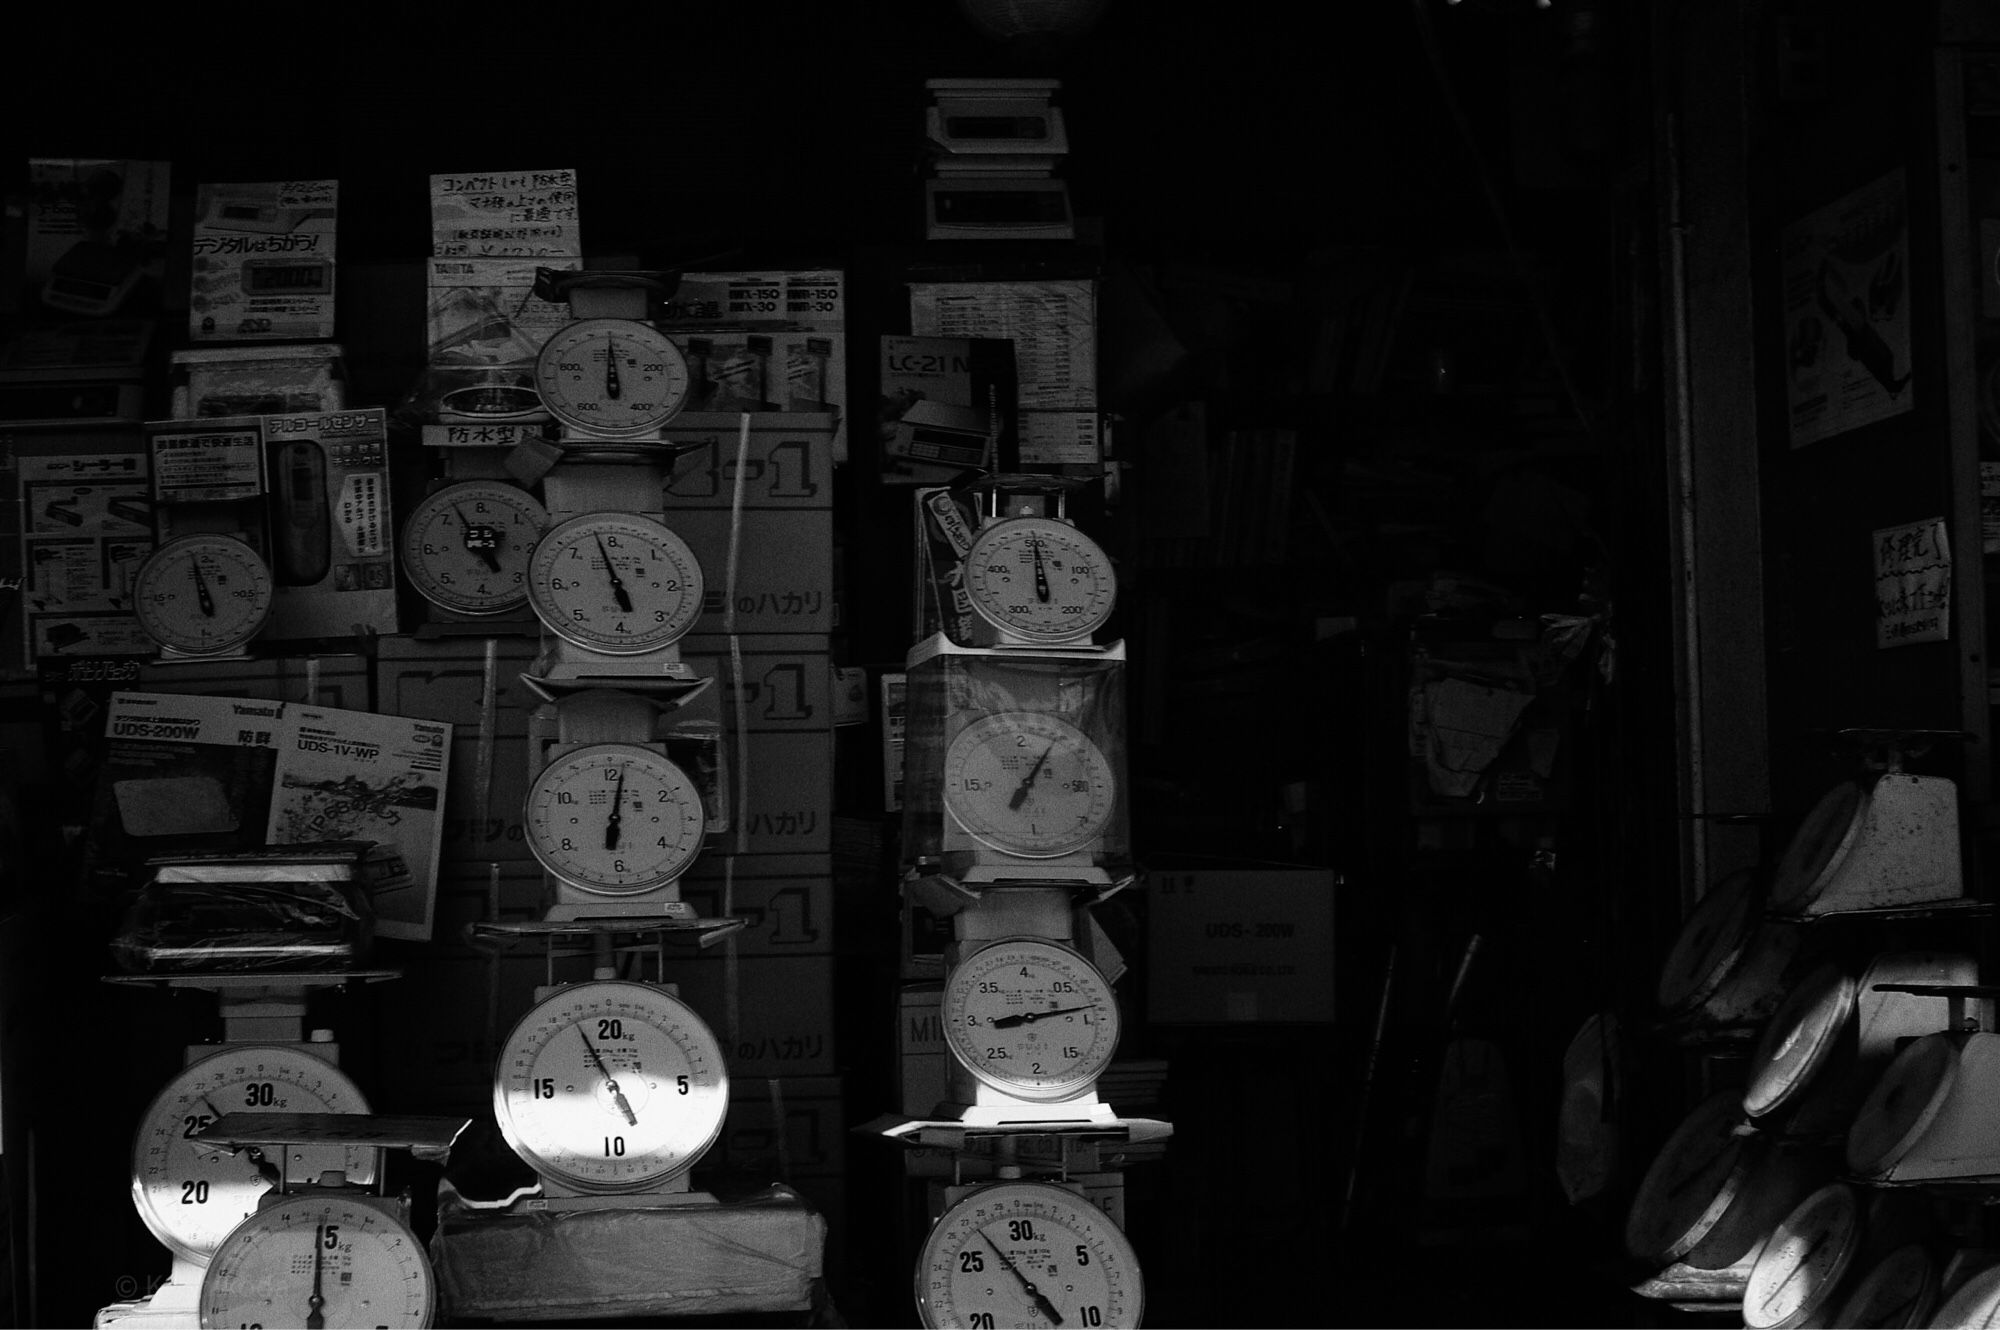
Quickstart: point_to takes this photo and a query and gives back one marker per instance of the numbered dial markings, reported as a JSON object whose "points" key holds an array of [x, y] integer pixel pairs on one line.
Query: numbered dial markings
{"points": [[1027, 1254], [611, 378], [202, 594], [614, 818], [319, 1260], [466, 547], [615, 582], [1033, 1018], [611, 1086], [1040, 580], [1029, 784], [192, 1192]]}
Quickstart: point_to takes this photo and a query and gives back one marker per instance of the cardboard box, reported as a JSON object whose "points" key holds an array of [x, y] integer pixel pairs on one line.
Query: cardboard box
{"points": [[784, 570], [922, 1061], [774, 1014], [786, 900], [263, 262], [787, 465], [326, 681], [781, 1128], [81, 506], [1229, 945]]}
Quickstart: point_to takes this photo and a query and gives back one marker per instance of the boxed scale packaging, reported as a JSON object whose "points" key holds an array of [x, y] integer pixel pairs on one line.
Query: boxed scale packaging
{"points": [[83, 516], [949, 407], [263, 265], [310, 491], [96, 233], [1240, 945], [211, 381]]}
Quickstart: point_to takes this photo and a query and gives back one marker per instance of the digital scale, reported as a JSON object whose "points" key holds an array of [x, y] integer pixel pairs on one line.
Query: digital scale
{"points": [[995, 144]]}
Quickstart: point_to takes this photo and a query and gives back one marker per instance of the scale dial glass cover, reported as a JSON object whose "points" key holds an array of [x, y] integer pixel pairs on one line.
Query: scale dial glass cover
{"points": [[466, 547], [1802, 1037], [1691, 1183], [1899, 1291], [617, 583], [1977, 1302], [1903, 1104], [202, 595], [1821, 842], [614, 818], [1039, 580], [611, 378], [1029, 783], [611, 1086], [1024, 1254], [191, 1194], [1804, 1259], [367, 1266], [1031, 1018]]}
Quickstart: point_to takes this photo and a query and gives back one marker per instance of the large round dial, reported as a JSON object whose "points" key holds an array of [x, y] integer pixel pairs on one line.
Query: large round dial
{"points": [[611, 378], [1030, 1017], [320, 1258], [1029, 783], [614, 818], [466, 547], [610, 1086], [1028, 1254], [1039, 580], [1803, 1262], [614, 582], [191, 1193], [202, 595]]}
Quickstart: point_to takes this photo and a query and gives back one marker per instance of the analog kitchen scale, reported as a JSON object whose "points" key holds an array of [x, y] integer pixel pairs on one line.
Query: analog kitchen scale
{"points": [[1028, 573], [190, 1191], [203, 597], [1886, 840], [1929, 1117], [324, 1249], [467, 544], [1805, 1263], [1730, 965]]}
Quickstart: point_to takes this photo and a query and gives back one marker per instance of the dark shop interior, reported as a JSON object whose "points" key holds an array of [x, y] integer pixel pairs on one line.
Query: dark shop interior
{"points": [[1001, 663]]}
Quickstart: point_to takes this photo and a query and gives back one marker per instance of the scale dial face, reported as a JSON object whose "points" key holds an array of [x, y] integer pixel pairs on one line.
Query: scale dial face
{"points": [[1804, 1259], [202, 595], [466, 547], [1692, 1183], [1029, 783], [611, 378], [1040, 580], [617, 583], [1899, 1291], [1030, 1017], [363, 1265], [614, 818], [191, 1194], [611, 1086], [1903, 1104], [1028, 1254], [1800, 1041]]}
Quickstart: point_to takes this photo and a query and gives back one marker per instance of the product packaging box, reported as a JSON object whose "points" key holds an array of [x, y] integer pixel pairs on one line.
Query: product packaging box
{"points": [[96, 234], [950, 407], [83, 512], [309, 491], [1240, 945], [263, 267]]}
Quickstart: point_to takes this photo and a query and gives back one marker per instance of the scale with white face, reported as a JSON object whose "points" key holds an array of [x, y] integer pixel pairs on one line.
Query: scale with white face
{"points": [[1929, 1117], [1026, 570], [203, 597]]}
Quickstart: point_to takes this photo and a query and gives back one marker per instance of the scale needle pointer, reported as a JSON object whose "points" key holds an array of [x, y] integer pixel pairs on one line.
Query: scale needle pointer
{"points": [[201, 589], [1042, 1304], [1027, 784], [611, 369], [1030, 1017], [610, 1081], [1041, 574], [617, 815], [482, 546], [314, 1319], [618, 591]]}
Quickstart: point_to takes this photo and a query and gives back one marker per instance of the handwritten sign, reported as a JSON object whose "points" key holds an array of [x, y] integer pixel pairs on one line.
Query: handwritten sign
{"points": [[1912, 584], [502, 214]]}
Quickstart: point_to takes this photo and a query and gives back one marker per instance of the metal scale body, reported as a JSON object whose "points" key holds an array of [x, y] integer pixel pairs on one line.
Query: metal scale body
{"points": [[266, 1059]]}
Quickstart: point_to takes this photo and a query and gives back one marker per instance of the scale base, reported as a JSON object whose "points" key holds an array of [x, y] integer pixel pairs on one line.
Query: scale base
{"points": [[565, 909], [570, 1202], [173, 1305], [1090, 1112]]}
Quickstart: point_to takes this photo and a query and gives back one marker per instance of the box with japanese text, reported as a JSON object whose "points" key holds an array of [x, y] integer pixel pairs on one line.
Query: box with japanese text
{"points": [[1248, 945], [263, 262]]}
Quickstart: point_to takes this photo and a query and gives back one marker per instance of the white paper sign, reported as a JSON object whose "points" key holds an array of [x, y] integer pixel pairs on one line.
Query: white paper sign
{"points": [[1912, 584]]}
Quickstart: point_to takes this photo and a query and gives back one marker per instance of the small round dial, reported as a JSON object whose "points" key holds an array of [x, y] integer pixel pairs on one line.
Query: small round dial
{"points": [[1029, 783], [617, 583], [611, 378], [191, 1193], [1028, 1254], [614, 818], [611, 1086], [1039, 580], [466, 547], [202, 595], [320, 1258], [1030, 1017]]}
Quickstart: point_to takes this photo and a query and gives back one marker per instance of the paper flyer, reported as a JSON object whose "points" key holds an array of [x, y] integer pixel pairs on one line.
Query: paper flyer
{"points": [[354, 775]]}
